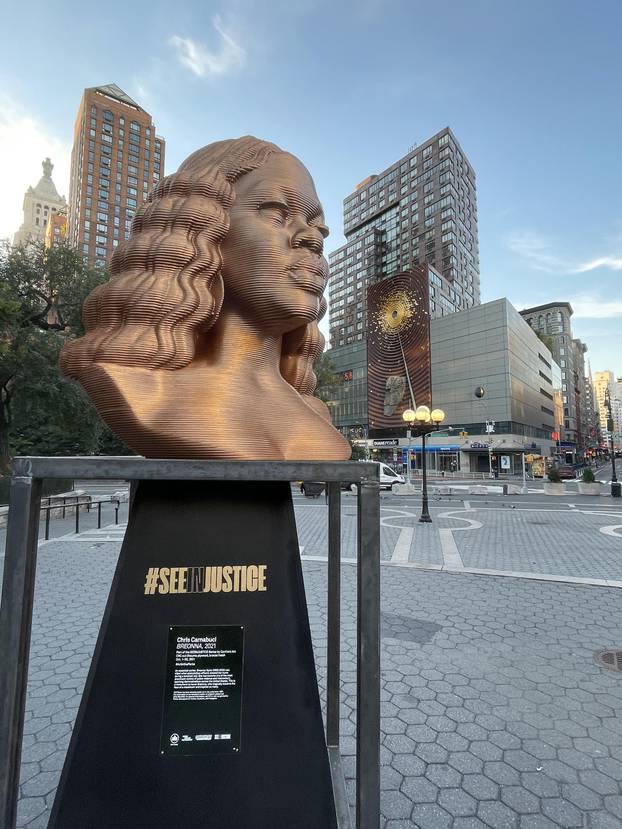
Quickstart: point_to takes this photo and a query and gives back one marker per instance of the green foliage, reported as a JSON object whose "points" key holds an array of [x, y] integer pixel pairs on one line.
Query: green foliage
{"points": [[49, 285], [327, 378], [554, 476], [588, 476], [358, 452], [546, 339], [41, 296]]}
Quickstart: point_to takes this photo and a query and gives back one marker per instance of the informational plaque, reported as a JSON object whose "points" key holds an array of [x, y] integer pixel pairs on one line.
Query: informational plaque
{"points": [[203, 691]]}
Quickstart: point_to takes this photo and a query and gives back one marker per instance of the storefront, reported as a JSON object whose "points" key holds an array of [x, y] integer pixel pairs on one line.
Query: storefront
{"points": [[502, 456], [393, 451]]}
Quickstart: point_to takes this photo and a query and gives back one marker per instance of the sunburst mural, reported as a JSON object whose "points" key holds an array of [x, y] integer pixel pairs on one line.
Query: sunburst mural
{"points": [[398, 349]]}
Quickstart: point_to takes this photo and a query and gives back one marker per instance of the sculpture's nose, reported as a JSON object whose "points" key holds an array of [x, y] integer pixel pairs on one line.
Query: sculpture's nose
{"points": [[309, 237]]}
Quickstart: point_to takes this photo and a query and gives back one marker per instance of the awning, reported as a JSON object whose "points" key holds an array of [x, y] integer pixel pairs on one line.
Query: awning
{"points": [[496, 450]]}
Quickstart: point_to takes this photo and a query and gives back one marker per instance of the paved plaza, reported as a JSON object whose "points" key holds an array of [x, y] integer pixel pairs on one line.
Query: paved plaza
{"points": [[494, 711]]}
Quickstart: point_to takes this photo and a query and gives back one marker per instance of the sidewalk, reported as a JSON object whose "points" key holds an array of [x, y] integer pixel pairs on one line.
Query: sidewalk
{"points": [[494, 713]]}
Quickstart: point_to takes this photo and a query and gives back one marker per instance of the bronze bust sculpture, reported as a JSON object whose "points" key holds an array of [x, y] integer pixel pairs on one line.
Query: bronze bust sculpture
{"points": [[202, 343]]}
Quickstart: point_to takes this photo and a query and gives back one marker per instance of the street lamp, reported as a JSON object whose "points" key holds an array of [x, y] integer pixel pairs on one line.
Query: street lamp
{"points": [[426, 422], [615, 487]]}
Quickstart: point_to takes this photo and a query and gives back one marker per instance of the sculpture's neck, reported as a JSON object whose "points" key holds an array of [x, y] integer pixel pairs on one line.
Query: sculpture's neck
{"points": [[236, 345]]}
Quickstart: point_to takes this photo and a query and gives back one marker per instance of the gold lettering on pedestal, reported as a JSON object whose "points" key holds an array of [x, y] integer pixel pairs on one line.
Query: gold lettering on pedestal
{"points": [[228, 578]]}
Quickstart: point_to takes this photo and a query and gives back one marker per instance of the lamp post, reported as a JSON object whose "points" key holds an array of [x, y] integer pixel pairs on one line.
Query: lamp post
{"points": [[427, 421], [409, 416], [615, 487]]}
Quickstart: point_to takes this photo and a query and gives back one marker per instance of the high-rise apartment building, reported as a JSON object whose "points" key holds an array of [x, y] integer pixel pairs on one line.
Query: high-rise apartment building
{"points": [[41, 203], [421, 210], [553, 321], [116, 159], [593, 414], [603, 381]]}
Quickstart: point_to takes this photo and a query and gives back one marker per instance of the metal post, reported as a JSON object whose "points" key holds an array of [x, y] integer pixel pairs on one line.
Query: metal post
{"points": [[77, 517], [47, 522], [15, 626], [64, 506], [334, 613], [408, 452], [99, 515], [116, 513], [524, 476], [368, 661], [425, 512]]}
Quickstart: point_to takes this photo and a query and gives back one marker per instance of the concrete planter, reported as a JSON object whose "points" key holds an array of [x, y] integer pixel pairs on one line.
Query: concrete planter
{"points": [[554, 489], [589, 489], [405, 489]]}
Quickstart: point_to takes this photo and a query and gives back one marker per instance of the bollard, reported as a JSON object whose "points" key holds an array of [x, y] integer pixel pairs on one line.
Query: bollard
{"points": [[47, 522], [77, 517], [616, 489], [99, 515], [505, 489]]}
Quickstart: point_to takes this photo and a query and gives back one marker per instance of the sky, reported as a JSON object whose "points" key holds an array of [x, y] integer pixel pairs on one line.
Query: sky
{"points": [[530, 89]]}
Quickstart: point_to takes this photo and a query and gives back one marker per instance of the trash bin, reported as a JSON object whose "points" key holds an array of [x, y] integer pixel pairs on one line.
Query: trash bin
{"points": [[616, 490]]}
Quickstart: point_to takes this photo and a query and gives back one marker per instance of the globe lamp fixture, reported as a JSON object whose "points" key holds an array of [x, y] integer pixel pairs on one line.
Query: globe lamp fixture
{"points": [[422, 414]]}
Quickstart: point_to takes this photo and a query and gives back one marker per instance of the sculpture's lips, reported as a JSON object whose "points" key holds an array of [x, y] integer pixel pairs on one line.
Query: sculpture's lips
{"points": [[309, 276]]}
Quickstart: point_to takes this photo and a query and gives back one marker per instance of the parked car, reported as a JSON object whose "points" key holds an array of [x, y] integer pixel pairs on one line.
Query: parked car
{"points": [[567, 472]]}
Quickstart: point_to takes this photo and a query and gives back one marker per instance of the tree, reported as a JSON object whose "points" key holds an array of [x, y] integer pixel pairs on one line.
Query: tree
{"points": [[546, 339], [41, 295], [327, 378]]}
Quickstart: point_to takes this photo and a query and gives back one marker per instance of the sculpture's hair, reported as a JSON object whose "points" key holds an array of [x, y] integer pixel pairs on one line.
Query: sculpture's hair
{"points": [[166, 285]]}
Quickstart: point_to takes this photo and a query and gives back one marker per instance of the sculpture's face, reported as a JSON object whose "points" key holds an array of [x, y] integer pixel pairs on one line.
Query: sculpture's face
{"points": [[273, 268]]}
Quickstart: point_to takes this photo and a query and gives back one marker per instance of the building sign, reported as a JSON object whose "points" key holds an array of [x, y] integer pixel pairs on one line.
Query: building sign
{"points": [[398, 348], [387, 442], [505, 461], [477, 445]]}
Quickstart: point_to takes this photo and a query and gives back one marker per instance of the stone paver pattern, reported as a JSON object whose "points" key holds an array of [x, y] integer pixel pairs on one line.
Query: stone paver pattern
{"points": [[494, 712]]}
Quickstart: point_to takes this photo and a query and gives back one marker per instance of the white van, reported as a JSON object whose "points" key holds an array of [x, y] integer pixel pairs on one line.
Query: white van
{"points": [[387, 478]]}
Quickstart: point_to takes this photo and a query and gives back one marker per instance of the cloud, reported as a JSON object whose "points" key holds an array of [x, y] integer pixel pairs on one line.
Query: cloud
{"points": [[24, 143], [536, 250], [594, 307], [612, 262], [201, 61]]}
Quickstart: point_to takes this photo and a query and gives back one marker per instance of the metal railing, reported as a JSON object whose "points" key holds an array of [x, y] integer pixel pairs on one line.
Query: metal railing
{"points": [[18, 598], [76, 506]]}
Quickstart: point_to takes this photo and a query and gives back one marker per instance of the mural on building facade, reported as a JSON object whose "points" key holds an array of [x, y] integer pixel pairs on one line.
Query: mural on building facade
{"points": [[398, 348]]}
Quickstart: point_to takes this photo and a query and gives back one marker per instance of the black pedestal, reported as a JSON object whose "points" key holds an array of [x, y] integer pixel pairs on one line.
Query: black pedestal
{"points": [[123, 770]]}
